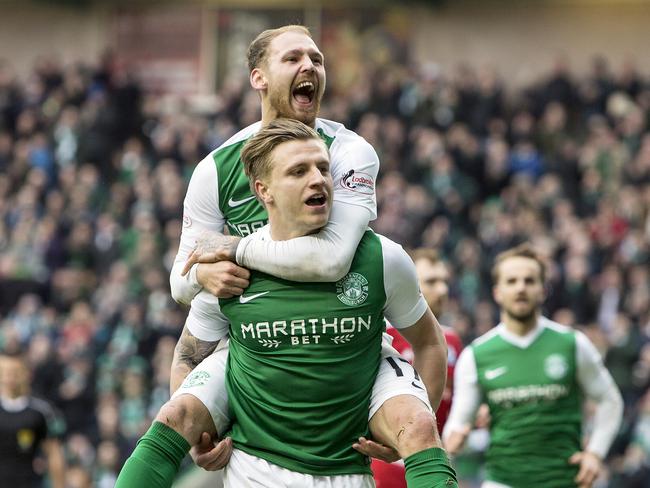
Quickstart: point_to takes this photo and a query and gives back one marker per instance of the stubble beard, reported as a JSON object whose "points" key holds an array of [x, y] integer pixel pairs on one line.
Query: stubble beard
{"points": [[283, 109], [524, 316]]}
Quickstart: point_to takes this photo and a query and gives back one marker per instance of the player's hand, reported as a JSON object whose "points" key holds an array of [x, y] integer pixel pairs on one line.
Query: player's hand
{"points": [[590, 468], [212, 247], [455, 441], [210, 455], [376, 450], [223, 279]]}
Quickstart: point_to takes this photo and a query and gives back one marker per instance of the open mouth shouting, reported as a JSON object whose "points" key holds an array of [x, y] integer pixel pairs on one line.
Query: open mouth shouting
{"points": [[304, 93], [317, 201]]}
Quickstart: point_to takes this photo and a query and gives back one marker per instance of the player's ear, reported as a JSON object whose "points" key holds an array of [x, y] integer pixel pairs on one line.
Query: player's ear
{"points": [[496, 294], [262, 192], [258, 79]]}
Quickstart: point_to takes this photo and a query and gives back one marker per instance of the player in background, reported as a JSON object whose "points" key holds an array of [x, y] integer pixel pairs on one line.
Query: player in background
{"points": [[29, 428], [302, 356], [534, 375], [433, 277], [287, 70]]}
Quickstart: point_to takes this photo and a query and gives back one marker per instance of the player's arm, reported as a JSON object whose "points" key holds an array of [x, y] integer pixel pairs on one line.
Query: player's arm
{"points": [[204, 328], [429, 355], [467, 399], [188, 353], [202, 218], [327, 255], [597, 385], [407, 311], [55, 462]]}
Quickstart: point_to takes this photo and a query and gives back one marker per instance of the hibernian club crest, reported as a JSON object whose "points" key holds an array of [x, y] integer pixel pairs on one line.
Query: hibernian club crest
{"points": [[196, 378], [555, 366], [352, 289]]}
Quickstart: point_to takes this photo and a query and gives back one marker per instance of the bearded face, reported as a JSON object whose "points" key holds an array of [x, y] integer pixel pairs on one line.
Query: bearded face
{"points": [[295, 78]]}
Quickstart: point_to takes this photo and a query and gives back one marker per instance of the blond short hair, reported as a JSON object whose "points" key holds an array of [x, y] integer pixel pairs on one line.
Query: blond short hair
{"points": [[258, 49], [525, 250], [256, 153]]}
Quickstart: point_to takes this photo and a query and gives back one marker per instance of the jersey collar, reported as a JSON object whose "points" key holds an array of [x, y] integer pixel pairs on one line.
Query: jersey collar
{"points": [[525, 341]]}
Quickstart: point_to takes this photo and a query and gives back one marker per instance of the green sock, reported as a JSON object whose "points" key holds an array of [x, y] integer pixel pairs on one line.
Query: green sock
{"points": [[155, 460], [430, 469]]}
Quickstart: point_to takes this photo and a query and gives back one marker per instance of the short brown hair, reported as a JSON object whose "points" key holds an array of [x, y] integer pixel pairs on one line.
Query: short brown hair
{"points": [[431, 255], [525, 250], [256, 153], [257, 50]]}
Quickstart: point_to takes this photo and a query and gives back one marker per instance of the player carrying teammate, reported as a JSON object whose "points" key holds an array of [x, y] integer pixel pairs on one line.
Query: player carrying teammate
{"points": [[303, 356]]}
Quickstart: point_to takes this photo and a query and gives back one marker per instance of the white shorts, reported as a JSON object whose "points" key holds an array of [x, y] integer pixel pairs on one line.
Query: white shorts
{"points": [[246, 471], [396, 376], [207, 382]]}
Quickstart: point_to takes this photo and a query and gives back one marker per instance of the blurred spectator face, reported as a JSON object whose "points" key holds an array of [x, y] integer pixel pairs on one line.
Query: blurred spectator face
{"points": [[108, 419], [108, 455], [554, 118], [434, 283], [77, 477], [519, 290], [14, 376], [565, 316], [40, 348], [291, 59]]}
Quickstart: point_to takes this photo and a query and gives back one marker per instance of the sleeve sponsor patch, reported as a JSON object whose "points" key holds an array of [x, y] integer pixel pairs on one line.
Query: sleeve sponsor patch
{"points": [[358, 182]]}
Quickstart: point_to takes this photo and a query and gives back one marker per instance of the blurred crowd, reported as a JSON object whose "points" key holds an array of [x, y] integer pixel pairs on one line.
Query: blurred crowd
{"points": [[93, 172]]}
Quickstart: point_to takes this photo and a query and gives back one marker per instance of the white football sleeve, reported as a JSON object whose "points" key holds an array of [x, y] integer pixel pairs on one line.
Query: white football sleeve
{"points": [[200, 213], [405, 304], [598, 385], [467, 395], [205, 319]]}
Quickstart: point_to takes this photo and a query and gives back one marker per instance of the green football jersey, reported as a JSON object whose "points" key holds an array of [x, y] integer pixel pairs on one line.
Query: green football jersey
{"points": [[303, 359], [535, 407]]}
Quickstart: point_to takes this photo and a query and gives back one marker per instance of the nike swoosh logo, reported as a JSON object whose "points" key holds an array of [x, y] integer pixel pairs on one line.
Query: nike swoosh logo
{"points": [[491, 374], [243, 299], [416, 386], [236, 203]]}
